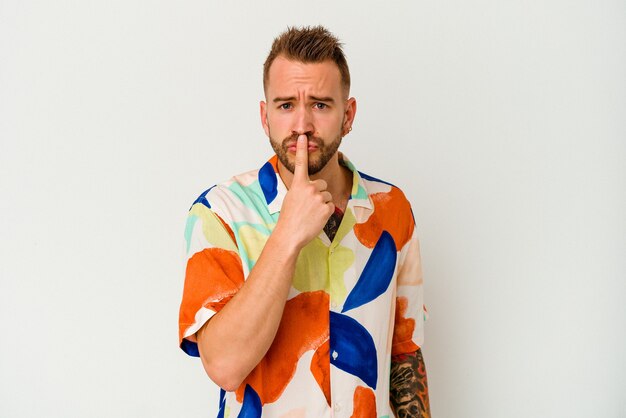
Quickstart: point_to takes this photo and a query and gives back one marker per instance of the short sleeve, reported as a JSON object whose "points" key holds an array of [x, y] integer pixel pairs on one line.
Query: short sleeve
{"points": [[213, 273], [408, 334]]}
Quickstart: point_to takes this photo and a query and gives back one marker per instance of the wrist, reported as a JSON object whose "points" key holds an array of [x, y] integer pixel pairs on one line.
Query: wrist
{"points": [[286, 241]]}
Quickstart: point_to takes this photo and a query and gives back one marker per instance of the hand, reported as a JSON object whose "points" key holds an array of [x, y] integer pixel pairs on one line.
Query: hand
{"points": [[307, 205]]}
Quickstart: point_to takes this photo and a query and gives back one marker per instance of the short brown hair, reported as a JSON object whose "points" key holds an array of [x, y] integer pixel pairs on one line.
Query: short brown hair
{"points": [[308, 45]]}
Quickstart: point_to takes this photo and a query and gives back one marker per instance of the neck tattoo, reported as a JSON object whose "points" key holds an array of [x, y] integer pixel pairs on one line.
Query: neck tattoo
{"points": [[332, 225]]}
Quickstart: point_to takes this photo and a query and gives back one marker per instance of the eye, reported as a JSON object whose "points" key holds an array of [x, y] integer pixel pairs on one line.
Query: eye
{"points": [[285, 106], [320, 105]]}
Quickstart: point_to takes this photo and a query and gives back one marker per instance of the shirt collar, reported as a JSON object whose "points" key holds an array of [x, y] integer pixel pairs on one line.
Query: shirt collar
{"points": [[358, 196]]}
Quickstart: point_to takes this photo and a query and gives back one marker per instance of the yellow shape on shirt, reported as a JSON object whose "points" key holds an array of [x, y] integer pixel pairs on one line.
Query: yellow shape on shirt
{"points": [[317, 269], [212, 228], [253, 241]]}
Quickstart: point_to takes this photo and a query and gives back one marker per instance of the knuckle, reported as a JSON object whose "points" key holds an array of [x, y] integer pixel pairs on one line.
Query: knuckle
{"points": [[319, 198]]}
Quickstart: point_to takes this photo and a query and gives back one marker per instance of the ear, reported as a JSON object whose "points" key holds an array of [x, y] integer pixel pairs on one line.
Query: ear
{"points": [[263, 111], [349, 115]]}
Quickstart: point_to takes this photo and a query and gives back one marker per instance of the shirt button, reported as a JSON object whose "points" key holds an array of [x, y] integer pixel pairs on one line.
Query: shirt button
{"points": [[337, 407]]}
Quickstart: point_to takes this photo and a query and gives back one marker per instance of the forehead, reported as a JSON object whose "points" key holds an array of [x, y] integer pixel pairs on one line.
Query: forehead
{"points": [[289, 76]]}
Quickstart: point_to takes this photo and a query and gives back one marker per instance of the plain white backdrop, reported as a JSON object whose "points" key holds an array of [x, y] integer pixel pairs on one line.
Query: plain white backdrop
{"points": [[503, 121]]}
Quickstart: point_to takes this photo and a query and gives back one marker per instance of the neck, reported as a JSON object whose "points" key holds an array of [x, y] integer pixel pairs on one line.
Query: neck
{"points": [[337, 176]]}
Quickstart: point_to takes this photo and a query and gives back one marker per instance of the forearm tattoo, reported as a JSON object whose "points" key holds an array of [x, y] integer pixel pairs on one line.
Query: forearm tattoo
{"points": [[409, 388]]}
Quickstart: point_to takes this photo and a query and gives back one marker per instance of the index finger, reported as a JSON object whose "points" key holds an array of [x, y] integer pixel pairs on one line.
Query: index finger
{"points": [[301, 170]]}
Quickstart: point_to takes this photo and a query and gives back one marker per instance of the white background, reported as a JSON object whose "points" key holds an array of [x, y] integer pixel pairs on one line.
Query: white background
{"points": [[503, 121]]}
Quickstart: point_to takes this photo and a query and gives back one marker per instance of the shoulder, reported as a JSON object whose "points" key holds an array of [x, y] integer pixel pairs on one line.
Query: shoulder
{"points": [[377, 186], [229, 194], [388, 198], [213, 215], [389, 212]]}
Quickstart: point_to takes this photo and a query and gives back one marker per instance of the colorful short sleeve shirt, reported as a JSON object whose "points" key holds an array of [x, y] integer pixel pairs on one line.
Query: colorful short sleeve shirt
{"points": [[354, 302]]}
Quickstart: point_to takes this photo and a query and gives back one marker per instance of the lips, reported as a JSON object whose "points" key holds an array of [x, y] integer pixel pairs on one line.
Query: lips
{"points": [[291, 147]]}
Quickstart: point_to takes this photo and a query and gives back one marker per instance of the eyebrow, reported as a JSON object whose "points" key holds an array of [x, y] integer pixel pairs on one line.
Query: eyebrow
{"points": [[323, 99], [314, 98], [283, 99]]}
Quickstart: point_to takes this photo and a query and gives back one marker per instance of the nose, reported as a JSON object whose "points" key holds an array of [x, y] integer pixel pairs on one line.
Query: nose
{"points": [[303, 122]]}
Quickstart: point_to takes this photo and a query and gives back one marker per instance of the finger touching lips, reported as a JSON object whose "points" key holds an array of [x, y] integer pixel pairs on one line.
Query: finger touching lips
{"points": [[311, 148], [312, 145]]}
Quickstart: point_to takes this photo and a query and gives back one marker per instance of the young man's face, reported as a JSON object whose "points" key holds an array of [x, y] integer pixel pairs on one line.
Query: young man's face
{"points": [[306, 99]]}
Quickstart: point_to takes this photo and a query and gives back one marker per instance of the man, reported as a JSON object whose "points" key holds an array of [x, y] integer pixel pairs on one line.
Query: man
{"points": [[303, 288]]}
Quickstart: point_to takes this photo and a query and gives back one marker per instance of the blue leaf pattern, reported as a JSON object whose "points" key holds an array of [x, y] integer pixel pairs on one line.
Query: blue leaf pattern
{"points": [[376, 274], [352, 348]]}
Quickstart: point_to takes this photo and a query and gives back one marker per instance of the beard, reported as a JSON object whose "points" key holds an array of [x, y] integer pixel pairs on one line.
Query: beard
{"points": [[326, 152]]}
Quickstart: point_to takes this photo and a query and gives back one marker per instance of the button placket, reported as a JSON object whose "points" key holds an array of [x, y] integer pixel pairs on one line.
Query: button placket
{"points": [[333, 303]]}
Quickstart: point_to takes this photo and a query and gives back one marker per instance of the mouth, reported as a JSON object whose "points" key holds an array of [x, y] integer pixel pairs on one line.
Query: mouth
{"points": [[291, 147]]}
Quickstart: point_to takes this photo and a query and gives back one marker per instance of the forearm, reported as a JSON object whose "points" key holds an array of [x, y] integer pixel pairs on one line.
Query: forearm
{"points": [[233, 342], [409, 386]]}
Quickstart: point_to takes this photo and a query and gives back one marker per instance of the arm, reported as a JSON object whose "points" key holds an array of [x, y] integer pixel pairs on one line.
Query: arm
{"points": [[409, 387], [236, 338]]}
